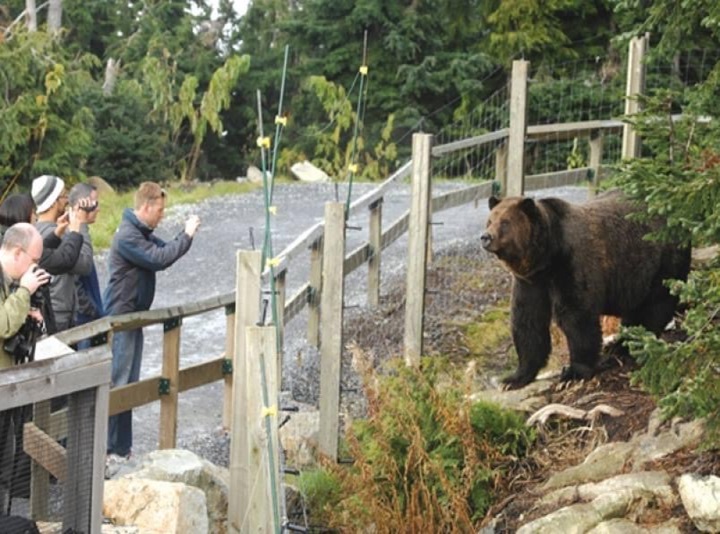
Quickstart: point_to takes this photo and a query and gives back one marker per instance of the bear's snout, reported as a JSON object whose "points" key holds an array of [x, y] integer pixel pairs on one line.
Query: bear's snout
{"points": [[486, 240]]}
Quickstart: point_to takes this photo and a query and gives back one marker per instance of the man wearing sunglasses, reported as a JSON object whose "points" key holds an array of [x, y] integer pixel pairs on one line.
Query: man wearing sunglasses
{"points": [[89, 298]]}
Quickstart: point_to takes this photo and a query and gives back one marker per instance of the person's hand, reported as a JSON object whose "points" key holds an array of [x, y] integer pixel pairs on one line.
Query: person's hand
{"points": [[192, 224], [36, 315], [34, 277], [83, 214], [62, 224], [77, 217]]}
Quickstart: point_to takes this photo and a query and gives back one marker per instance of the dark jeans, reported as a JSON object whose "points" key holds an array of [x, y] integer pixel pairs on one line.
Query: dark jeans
{"points": [[127, 350]]}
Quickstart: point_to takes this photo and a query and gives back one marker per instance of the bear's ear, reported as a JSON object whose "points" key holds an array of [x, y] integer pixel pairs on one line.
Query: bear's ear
{"points": [[528, 206], [493, 201]]}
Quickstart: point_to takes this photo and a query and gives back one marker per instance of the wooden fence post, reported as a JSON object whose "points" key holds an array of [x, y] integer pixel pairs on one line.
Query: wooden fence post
{"points": [[501, 165], [171, 373], [280, 296], [229, 358], [417, 248], [39, 478], [316, 259], [331, 327], [596, 150], [247, 313], [262, 459], [518, 128], [634, 87], [375, 241]]}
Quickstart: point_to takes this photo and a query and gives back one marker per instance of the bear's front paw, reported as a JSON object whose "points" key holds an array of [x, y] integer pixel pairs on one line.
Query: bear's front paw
{"points": [[576, 371], [517, 380]]}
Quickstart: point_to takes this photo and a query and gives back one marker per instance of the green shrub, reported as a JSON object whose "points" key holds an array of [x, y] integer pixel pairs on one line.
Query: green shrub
{"points": [[425, 459]]}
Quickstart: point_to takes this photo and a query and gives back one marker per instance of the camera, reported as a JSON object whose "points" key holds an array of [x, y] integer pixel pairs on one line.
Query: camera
{"points": [[21, 346]]}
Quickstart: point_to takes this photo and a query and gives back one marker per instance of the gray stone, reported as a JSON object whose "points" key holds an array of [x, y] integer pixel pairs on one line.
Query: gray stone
{"points": [[605, 461], [651, 484], [701, 498], [307, 172], [650, 448], [299, 438], [625, 526], [255, 175], [177, 465], [155, 507], [579, 518]]}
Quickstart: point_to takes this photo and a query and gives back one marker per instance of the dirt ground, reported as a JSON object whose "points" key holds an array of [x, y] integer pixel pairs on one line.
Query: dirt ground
{"points": [[463, 286]]}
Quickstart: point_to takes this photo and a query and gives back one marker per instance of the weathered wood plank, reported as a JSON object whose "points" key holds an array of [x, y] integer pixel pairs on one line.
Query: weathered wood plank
{"points": [[201, 374], [417, 249], [470, 142], [331, 328], [131, 396], [78, 488], [167, 436], [557, 179], [44, 450], [43, 380]]}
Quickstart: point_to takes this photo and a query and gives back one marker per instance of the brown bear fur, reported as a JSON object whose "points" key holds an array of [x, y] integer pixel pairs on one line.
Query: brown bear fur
{"points": [[572, 264]]}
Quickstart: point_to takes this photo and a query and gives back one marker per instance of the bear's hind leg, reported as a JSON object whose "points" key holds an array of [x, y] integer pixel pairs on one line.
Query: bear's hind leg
{"points": [[584, 338], [655, 312]]}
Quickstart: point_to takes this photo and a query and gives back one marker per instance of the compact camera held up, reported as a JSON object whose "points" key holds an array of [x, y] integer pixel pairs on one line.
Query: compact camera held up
{"points": [[21, 346]]}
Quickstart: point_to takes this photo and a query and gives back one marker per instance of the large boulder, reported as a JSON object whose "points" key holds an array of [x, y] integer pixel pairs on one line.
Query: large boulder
{"points": [[307, 172], [177, 465], [701, 498], [155, 507]]}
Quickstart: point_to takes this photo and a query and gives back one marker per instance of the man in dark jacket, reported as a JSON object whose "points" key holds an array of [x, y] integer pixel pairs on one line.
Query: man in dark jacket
{"points": [[135, 256]]}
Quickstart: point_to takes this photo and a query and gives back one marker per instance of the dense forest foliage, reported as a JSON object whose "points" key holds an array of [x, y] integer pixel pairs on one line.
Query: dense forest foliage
{"points": [[166, 89]]}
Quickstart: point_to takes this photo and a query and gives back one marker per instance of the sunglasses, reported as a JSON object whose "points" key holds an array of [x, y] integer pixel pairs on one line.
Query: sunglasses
{"points": [[90, 208]]}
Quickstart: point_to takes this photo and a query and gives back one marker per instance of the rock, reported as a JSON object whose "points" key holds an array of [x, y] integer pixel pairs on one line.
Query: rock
{"points": [[177, 465], [605, 461], [299, 438], [580, 518], [155, 507], [651, 484], [625, 526], [255, 175], [649, 448], [100, 184], [701, 498], [307, 172]]}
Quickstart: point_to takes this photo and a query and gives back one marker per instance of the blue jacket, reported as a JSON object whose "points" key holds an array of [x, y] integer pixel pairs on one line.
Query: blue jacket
{"points": [[135, 256]]}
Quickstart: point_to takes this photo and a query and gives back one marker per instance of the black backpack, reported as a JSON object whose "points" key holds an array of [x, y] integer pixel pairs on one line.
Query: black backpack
{"points": [[13, 524]]}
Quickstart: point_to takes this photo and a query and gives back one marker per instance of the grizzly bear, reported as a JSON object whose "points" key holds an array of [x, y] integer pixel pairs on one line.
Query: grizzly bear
{"points": [[574, 263]]}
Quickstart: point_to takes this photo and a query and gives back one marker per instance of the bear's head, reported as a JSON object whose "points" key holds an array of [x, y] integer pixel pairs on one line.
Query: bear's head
{"points": [[514, 233]]}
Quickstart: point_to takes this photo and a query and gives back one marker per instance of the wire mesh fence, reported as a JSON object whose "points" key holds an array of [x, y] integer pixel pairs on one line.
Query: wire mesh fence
{"points": [[53, 419]]}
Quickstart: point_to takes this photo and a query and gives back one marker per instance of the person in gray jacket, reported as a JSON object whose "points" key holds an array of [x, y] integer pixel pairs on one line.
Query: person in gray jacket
{"points": [[51, 201], [136, 254]]}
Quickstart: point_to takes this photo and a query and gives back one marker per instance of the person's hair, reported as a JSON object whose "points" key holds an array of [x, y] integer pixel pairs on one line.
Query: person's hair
{"points": [[148, 192], [19, 235], [16, 208], [78, 192]]}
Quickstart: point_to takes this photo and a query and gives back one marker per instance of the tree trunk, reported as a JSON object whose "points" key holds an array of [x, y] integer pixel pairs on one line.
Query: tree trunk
{"points": [[111, 73], [31, 15], [54, 20]]}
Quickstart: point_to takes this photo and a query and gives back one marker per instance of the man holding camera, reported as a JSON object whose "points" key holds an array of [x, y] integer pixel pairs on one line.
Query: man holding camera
{"points": [[19, 253], [51, 201], [135, 256]]}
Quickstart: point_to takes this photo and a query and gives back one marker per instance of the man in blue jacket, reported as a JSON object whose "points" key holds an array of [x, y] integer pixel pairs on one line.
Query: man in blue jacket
{"points": [[135, 256]]}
